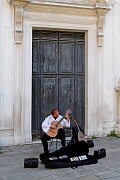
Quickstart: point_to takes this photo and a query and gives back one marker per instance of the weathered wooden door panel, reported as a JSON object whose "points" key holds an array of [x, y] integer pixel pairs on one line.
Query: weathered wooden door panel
{"points": [[49, 57], [79, 58], [67, 36], [66, 60], [49, 94], [66, 93], [79, 103], [49, 35], [36, 103], [58, 78], [35, 57]]}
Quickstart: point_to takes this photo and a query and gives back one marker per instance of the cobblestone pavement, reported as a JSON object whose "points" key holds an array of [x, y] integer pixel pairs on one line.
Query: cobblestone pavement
{"points": [[12, 160]]}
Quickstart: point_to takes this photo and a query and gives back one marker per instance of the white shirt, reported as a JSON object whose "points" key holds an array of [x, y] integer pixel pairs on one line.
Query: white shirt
{"points": [[48, 121]]}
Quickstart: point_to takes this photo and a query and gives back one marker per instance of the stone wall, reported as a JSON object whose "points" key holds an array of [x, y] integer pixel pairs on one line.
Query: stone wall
{"points": [[102, 61], [6, 72], [111, 68]]}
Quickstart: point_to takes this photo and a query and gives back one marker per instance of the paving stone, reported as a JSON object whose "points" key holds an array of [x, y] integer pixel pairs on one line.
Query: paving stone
{"points": [[112, 174], [66, 176], [102, 169], [63, 170], [115, 166], [90, 177], [42, 172], [115, 178], [2, 178], [82, 172], [20, 177], [46, 177]]}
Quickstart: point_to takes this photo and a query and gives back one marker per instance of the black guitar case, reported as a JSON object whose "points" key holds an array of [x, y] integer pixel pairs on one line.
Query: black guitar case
{"points": [[78, 148], [73, 155], [70, 162]]}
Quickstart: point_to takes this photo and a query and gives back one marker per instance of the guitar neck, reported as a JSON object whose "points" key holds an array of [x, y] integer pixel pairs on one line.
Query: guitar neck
{"points": [[60, 120], [68, 111]]}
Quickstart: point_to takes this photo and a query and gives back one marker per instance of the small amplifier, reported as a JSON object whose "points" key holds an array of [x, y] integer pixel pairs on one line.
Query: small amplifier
{"points": [[31, 163], [101, 153]]}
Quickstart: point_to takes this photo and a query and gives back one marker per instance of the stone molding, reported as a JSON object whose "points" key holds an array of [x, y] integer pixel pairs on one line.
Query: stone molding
{"points": [[13, 2], [90, 2], [63, 2], [117, 89], [100, 6]]}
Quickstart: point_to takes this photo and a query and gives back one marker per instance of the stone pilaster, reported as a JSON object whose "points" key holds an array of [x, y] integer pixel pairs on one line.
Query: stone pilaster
{"points": [[117, 126]]}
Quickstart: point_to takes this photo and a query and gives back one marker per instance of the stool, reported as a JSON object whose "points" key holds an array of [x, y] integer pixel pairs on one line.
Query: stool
{"points": [[68, 134], [51, 144]]}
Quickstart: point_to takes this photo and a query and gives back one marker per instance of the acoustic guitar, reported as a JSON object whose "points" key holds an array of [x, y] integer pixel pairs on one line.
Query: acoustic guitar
{"points": [[55, 126]]}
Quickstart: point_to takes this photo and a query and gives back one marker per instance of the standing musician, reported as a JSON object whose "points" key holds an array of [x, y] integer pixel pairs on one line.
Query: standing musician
{"points": [[54, 130]]}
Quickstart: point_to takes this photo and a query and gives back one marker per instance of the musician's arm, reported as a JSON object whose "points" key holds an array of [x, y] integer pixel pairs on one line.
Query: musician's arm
{"points": [[66, 121], [46, 125]]}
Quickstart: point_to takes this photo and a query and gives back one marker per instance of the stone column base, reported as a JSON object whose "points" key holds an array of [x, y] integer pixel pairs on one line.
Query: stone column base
{"points": [[117, 129]]}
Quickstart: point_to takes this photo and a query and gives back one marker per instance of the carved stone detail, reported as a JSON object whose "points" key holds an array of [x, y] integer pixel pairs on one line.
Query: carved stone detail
{"points": [[18, 1], [117, 89], [18, 24], [100, 29], [18, 20], [108, 2], [100, 41]]}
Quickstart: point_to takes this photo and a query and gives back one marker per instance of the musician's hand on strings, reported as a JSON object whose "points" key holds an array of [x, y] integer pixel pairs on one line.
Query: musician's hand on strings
{"points": [[53, 126]]}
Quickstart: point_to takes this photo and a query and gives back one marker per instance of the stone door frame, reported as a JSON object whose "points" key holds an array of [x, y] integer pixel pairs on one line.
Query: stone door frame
{"points": [[90, 33]]}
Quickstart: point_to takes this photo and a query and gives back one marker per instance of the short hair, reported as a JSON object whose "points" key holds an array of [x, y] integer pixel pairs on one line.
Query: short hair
{"points": [[54, 110]]}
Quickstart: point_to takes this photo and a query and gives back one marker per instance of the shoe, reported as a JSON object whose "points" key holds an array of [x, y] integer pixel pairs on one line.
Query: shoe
{"points": [[46, 152], [90, 143], [72, 141]]}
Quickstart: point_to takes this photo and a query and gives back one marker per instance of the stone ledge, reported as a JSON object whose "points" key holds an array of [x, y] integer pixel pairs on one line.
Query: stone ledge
{"points": [[117, 89], [103, 4]]}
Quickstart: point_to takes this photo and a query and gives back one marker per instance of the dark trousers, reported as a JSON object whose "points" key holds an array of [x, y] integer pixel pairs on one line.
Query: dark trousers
{"points": [[45, 138]]}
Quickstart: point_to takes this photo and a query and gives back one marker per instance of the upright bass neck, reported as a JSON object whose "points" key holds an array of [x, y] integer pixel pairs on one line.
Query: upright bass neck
{"points": [[80, 134]]}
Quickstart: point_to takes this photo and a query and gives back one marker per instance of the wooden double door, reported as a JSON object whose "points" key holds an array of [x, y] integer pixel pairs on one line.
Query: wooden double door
{"points": [[58, 75]]}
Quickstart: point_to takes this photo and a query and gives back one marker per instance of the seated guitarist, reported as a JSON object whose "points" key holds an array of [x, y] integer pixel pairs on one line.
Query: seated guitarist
{"points": [[53, 128]]}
